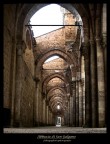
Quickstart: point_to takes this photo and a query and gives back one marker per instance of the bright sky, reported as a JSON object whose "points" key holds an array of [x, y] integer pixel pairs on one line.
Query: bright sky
{"points": [[51, 58], [48, 15], [58, 106]]}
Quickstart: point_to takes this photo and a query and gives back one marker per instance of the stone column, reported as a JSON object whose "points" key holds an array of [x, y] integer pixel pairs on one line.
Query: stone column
{"points": [[71, 110], [77, 103], [47, 115], [80, 104], [83, 93], [101, 86], [36, 103], [94, 97], [39, 105], [73, 83], [41, 109], [104, 44], [100, 70], [51, 118], [43, 112], [85, 52], [83, 86], [68, 114], [65, 118], [12, 83], [19, 79]]}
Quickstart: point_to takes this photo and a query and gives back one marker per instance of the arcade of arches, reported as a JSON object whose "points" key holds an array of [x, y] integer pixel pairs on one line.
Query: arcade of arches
{"points": [[72, 86]]}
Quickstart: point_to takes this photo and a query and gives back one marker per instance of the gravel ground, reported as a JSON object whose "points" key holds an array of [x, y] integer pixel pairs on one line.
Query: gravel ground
{"points": [[55, 130]]}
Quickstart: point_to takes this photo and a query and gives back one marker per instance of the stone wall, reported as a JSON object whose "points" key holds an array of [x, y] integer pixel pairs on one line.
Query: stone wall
{"points": [[8, 33], [28, 91], [29, 60]]}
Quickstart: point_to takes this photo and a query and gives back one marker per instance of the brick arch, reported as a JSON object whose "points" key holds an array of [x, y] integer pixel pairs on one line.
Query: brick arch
{"points": [[55, 101], [62, 89], [56, 95], [62, 108], [28, 10], [57, 98], [52, 92], [56, 51], [48, 78], [54, 104]]}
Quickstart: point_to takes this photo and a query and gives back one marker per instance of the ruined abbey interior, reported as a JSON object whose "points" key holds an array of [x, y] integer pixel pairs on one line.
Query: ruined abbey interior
{"points": [[70, 89]]}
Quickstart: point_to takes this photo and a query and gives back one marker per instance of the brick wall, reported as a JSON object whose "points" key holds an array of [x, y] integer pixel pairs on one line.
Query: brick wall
{"points": [[55, 81], [9, 24], [58, 63], [29, 59], [28, 91]]}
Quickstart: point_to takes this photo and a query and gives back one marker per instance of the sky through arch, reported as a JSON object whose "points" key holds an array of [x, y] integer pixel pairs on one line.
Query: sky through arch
{"points": [[48, 15]]}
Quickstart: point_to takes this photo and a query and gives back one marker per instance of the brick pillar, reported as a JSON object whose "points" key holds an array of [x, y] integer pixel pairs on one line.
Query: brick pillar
{"points": [[43, 112], [83, 86], [68, 114], [101, 86], [47, 115], [86, 53], [71, 110], [73, 83], [12, 83], [94, 97], [51, 118], [100, 70], [77, 103], [104, 44], [19, 78], [93, 67], [36, 103], [65, 118], [80, 104], [39, 105]]}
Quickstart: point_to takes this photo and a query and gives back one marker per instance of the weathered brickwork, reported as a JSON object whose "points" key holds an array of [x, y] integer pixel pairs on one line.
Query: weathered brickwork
{"points": [[28, 91], [7, 63], [29, 59], [70, 31], [58, 63], [54, 39], [9, 13], [55, 81], [32, 90]]}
